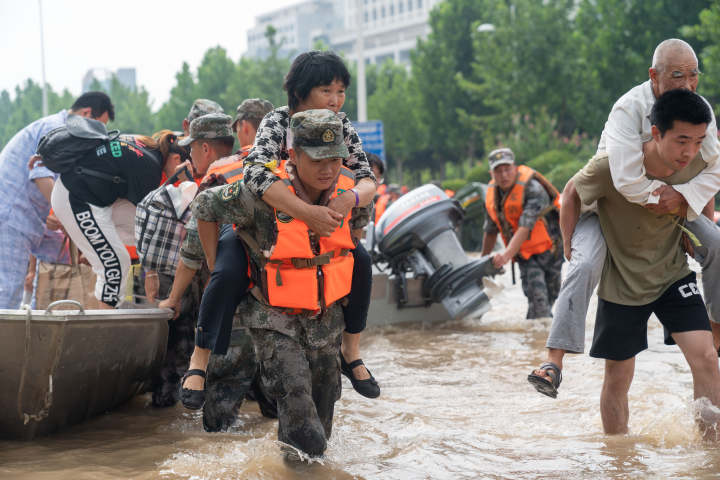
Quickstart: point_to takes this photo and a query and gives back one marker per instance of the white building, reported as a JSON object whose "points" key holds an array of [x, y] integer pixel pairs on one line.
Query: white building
{"points": [[126, 77], [298, 26], [390, 28]]}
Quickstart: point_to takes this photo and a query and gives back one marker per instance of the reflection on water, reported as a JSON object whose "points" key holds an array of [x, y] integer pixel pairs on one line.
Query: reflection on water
{"points": [[455, 404]]}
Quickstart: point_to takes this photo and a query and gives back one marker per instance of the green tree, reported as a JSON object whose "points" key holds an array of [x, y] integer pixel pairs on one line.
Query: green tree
{"points": [[132, 107], [524, 64], [213, 75], [26, 107], [394, 101], [259, 78], [708, 33], [437, 64], [176, 108], [614, 42]]}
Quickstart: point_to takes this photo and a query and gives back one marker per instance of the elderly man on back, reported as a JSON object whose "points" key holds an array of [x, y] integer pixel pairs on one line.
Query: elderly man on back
{"points": [[628, 128]]}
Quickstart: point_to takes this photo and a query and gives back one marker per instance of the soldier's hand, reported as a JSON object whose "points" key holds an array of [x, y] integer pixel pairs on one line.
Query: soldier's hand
{"points": [[180, 170], [500, 259], [322, 220], [670, 202], [172, 304]]}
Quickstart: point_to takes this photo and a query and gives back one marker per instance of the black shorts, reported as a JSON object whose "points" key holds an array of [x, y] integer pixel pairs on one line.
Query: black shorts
{"points": [[621, 330]]}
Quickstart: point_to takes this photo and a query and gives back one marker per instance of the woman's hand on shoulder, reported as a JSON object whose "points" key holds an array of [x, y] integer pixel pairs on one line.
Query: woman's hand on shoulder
{"points": [[322, 220], [343, 203]]}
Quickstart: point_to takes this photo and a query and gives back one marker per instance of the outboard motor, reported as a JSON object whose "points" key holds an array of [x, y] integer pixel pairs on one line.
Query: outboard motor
{"points": [[416, 235]]}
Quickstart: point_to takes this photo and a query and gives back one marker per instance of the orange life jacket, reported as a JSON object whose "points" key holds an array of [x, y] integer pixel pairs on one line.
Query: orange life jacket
{"points": [[539, 240], [232, 171], [294, 276], [381, 205]]}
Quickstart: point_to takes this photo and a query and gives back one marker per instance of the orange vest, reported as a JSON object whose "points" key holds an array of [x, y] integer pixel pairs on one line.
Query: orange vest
{"points": [[231, 171], [294, 276], [539, 240], [381, 206]]}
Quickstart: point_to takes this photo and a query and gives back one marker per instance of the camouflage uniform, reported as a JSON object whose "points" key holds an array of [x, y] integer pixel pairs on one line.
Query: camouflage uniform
{"points": [[253, 109], [230, 379], [212, 126], [540, 274], [203, 106], [181, 340], [298, 353]]}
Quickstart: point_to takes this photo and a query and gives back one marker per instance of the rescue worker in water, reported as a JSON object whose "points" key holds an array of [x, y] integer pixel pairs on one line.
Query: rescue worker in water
{"points": [[293, 313], [523, 206]]}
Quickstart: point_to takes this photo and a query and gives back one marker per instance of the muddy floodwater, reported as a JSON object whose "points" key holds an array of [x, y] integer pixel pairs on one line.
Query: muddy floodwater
{"points": [[455, 404]]}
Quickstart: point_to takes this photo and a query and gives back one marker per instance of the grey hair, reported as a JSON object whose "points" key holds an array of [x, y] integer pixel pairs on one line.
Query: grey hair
{"points": [[669, 47]]}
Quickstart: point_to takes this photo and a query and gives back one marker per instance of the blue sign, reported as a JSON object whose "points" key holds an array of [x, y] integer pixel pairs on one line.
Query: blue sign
{"points": [[371, 135]]}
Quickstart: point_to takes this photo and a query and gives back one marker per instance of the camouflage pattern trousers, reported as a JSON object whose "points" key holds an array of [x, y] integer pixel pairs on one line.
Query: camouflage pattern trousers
{"points": [[181, 341], [230, 379], [305, 383], [540, 275]]}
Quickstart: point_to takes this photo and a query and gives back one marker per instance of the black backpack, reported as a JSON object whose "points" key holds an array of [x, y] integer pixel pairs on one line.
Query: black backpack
{"points": [[61, 151]]}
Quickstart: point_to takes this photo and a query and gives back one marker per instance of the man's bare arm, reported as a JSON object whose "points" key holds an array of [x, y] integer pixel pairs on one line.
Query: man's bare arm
{"points": [[209, 234], [488, 242], [709, 210], [183, 277], [45, 185], [522, 234], [569, 215]]}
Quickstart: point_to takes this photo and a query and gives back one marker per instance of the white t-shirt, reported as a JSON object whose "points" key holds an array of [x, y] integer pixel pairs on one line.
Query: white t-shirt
{"points": [[627, 128]]}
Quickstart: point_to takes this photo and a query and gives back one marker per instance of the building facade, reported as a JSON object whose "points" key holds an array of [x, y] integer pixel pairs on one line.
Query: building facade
{"points": [[126, 77], [390, 28], [297, 27]]}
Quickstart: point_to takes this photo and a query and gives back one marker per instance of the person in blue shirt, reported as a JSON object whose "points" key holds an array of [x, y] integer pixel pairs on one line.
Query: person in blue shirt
{"points": [[25, 191]]}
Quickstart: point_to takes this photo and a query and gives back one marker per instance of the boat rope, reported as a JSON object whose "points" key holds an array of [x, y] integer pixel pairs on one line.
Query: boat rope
{"points": [[58, 340]]}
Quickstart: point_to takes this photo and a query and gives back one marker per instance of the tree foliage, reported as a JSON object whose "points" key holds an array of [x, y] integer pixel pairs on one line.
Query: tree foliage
{"points": [[540, 77]]}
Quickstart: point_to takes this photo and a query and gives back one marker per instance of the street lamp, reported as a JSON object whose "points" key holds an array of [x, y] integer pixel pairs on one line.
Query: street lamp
{"points": [[42, 61], [486, 28], [360, 52]]}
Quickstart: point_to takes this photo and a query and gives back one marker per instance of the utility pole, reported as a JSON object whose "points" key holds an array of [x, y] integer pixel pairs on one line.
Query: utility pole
{"points": [[42, 60], [360, 52]]}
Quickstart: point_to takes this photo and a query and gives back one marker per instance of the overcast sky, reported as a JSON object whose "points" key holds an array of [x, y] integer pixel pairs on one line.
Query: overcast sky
{"points": [[154, 36]]}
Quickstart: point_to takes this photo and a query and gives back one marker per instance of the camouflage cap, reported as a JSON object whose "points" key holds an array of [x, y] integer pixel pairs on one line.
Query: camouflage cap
{"points": [[209, 127], [394, 188], [252, 109], [203, 106], [500, 156], [319, 133]]}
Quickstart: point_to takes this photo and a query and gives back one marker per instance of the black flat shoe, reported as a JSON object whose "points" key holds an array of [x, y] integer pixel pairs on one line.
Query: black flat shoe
{"points": [[192, 399], [367, 388]]}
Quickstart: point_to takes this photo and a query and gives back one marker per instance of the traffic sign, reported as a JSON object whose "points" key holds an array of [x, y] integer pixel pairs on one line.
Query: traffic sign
{"points": [[371, 135]]}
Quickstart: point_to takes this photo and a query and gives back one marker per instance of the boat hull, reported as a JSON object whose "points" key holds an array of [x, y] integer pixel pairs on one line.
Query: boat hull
{"points": [[63, 367]]}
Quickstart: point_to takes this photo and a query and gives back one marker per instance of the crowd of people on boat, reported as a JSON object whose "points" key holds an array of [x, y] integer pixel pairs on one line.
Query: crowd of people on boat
{"points": [[271, 231]]}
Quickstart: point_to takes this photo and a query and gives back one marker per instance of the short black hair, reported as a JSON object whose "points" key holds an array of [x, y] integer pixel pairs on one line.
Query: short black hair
{"points": [[679, 104], [312, 69], [99, 103], [374, 160]]}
